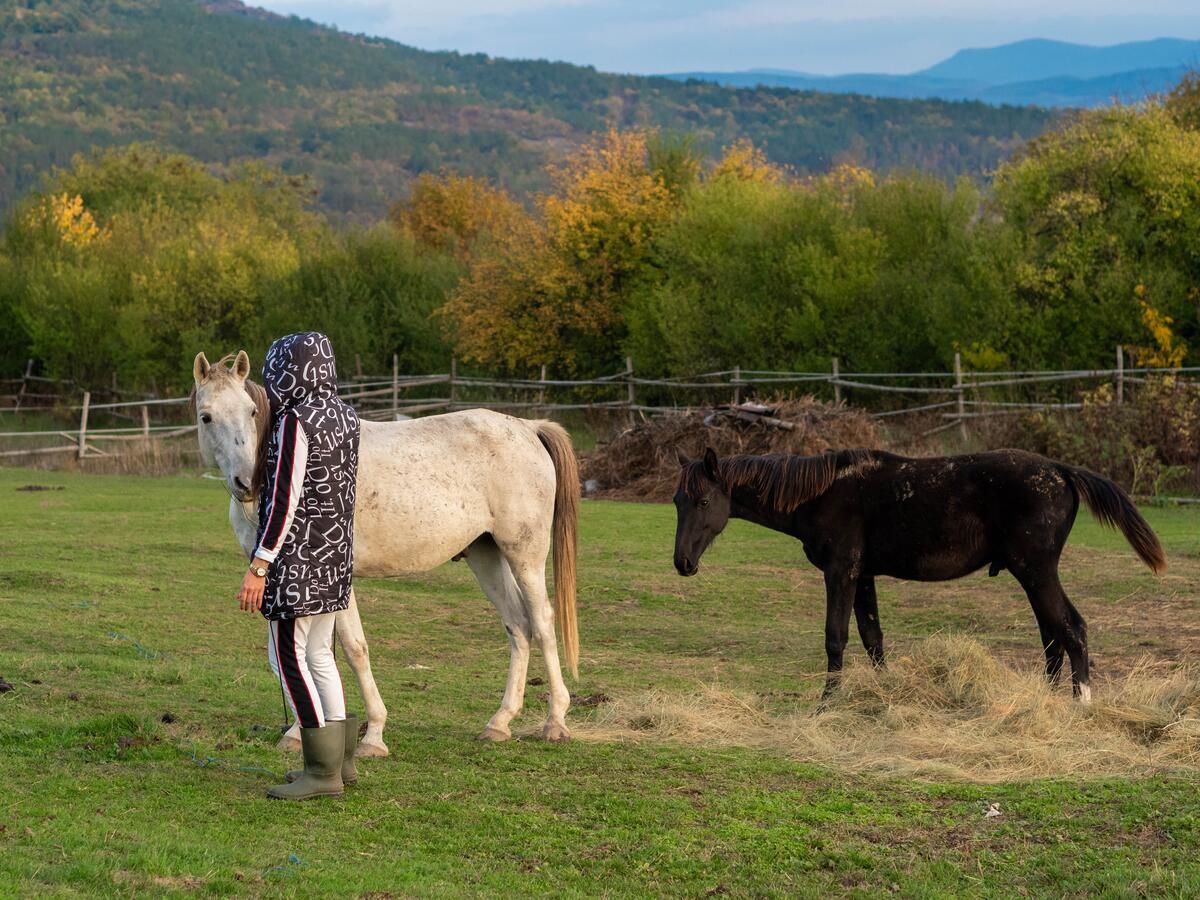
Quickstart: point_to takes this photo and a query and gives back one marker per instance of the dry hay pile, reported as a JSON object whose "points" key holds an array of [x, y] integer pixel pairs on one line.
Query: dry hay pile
{"points": [[948, 710], [641, 463]]}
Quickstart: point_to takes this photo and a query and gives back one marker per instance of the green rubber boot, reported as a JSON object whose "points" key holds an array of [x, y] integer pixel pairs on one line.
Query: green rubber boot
{"points": [[349, 772], [323, 750]]}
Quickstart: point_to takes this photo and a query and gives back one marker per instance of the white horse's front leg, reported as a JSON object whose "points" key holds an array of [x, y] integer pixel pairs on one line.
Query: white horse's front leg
{"points": [[354, 643], [290, 742]]}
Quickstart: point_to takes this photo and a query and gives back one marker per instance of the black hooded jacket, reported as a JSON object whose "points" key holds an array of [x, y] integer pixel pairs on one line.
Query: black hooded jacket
{"points": [[306, 511]]}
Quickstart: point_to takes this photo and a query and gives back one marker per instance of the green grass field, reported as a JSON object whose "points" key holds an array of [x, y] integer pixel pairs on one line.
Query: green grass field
{"points": [[117, 608]]}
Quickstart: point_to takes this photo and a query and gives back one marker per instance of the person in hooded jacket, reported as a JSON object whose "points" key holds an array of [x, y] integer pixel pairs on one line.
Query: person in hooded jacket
{"points": [[300, 570]]}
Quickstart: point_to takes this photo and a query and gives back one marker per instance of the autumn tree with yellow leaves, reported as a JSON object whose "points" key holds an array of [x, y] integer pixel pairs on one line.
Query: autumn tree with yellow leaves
{"points": [[132, 260], [555, 289], [455, 213]]}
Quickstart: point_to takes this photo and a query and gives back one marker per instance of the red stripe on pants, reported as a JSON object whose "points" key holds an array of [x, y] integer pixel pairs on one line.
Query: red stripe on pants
{"points": [[293, 678]]}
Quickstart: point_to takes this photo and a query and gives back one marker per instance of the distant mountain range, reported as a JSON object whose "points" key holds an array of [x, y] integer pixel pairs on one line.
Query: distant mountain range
{"points": [[363, 116], [1033, 72]]}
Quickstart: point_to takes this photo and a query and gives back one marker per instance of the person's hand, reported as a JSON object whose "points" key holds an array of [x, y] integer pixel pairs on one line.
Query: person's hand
{"points": [[251, 595]]}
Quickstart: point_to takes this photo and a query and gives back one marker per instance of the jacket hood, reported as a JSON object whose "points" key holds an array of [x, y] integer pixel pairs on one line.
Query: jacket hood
{"points": [[299, 368]]}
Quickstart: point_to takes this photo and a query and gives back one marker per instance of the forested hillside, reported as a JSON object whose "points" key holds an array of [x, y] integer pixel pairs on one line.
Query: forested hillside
{"points": [[364, 116]]}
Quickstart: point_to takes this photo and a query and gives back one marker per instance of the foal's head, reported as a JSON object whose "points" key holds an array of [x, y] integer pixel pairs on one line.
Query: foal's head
{"points": [[702, 505], [231, 417]]}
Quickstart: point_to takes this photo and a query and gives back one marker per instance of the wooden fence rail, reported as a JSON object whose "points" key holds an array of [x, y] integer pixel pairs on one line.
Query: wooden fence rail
{"points": [[955, 399]]}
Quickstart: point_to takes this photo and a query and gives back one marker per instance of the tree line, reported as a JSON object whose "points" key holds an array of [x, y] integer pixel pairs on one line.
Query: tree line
{"points": [[132, 259]]}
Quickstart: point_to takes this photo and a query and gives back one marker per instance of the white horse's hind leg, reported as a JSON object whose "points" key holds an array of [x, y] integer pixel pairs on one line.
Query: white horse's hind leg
{"points": [[531, 577], [495, 577], [354, 643]]}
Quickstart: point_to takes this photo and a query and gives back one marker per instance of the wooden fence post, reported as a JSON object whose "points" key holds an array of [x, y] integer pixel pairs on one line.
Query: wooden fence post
{"points": [[542, 392], [1120, 374], [737, 385], [395, 384], [24, 383], [83, 417], [358, 364], [837, 388], [146, 422], [958, 388], [631, 398], [453, 380]]}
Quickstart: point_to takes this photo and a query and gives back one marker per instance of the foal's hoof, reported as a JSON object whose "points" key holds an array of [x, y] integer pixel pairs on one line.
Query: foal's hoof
{"points": [[555, 733], [494, 734], [1085, 694], [371, 751]]}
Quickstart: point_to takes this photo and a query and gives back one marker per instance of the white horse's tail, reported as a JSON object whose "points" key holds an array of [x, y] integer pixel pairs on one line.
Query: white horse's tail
{"points": [[566, 522]]}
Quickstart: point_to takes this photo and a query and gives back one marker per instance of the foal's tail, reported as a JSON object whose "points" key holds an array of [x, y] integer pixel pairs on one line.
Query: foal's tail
{"points": [[1113, 508], [566, 520]]}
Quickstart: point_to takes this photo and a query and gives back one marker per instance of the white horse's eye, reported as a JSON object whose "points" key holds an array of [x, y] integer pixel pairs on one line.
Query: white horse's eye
{"points": [[254, 413], [206, 418]]}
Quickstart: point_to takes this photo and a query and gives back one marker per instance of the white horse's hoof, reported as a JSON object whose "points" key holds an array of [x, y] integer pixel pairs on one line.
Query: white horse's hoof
{"points": [[494, 734], [556, 733], [1085, 694], [288, 744], [371, 751]]}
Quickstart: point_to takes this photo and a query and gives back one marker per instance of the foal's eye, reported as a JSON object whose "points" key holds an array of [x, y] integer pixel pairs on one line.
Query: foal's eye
{"points": [[704, 503], [206, 419]]}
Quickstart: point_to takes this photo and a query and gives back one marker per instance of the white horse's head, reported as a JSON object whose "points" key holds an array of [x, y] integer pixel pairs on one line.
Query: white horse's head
{"points": [[232, 415]]}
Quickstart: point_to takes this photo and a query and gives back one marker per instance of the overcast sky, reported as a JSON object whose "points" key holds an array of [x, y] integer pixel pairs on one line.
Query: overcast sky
{"points": [[648, 36]]}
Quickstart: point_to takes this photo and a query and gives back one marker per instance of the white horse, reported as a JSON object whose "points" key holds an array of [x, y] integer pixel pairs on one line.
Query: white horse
{"points": [[494, 489]]}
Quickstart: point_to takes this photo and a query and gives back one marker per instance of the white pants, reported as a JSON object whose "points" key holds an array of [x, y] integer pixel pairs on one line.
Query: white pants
{"points": [[300, 652]]}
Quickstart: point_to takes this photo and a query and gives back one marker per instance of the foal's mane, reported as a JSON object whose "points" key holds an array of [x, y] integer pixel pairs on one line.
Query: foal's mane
{"points": [[781, 482]]}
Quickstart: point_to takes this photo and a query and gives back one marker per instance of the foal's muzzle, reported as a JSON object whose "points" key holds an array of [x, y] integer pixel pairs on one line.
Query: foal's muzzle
{"points": [[685, 566]]}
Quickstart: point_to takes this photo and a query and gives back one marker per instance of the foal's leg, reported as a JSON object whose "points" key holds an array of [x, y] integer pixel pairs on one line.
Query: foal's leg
{"points": [[1063, 625], [529, 568], [1081, 670], [495, 577], [1051, 647], [866, 613], [354, 643], [840, 590]]}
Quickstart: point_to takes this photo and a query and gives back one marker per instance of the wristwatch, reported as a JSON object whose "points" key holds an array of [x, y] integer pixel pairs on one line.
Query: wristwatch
{"points": [[260, 571]]}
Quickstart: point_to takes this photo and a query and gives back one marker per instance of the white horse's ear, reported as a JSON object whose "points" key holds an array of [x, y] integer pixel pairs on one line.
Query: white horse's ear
{"points": [[682, 457], [200, 368], [241, 365]]}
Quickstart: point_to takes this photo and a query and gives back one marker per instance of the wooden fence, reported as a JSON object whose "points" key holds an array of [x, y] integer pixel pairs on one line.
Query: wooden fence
{"points": [[953, 399]]}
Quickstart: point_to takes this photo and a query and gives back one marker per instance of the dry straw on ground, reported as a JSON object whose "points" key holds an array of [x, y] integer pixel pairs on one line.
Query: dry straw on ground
{"points": [[641, 463], [947, 710]]}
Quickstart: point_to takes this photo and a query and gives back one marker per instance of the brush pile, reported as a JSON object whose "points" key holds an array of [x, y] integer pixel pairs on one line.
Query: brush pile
{"points": [[641, 463], [948, 709]]}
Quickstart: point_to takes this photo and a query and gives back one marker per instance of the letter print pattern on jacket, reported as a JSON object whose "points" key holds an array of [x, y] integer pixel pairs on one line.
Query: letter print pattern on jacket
{"points": [[306, 511]]}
